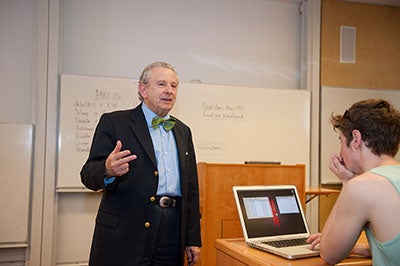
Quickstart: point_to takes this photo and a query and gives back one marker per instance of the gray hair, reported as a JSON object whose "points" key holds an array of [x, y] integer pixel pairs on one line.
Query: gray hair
{"points": [[145, 76]]}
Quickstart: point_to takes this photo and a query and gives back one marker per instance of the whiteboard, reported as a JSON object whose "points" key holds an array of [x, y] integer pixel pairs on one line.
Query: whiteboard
{"points": [[229, 124], [16, 160], [82, 101], [337, 100]]}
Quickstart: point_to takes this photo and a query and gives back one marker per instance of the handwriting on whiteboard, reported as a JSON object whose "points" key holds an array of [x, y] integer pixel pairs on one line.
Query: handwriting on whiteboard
{"points": [[88, 111], [215, 111], [211, 148]]}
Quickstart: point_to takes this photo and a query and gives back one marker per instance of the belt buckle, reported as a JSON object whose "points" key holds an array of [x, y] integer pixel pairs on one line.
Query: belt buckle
{"points": [[166, 202]]}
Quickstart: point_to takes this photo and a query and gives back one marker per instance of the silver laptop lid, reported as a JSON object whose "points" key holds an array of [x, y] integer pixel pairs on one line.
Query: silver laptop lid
{"points": [[270, 212]]}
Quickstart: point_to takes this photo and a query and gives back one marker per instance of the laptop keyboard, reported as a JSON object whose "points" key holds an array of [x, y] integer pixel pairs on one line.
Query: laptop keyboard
{"points": [[287, 243]]}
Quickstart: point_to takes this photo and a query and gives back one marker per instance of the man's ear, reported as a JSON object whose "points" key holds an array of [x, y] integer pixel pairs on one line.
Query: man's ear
{"points": [[142, 90], [357, 138]]}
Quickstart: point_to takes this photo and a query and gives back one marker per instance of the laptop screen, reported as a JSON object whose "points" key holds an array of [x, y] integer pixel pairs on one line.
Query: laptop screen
{"points": [[271, 212]]}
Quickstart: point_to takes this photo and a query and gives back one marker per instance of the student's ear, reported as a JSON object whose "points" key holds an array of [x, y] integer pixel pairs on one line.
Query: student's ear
{"points": [[357, 138]]}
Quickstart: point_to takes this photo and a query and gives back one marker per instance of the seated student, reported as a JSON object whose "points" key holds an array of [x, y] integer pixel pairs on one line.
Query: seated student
{"points": [[369, 133]]}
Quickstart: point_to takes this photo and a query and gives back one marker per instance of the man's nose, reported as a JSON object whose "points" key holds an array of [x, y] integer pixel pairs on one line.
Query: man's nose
{"points": [[169, 88]]}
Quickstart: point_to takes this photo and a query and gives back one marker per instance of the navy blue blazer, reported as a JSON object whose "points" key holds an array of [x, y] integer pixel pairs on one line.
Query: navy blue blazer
{"points": [[126, 213]]}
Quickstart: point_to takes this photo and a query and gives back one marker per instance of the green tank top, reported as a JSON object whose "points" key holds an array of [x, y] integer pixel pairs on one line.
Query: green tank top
{"points": [[387, 253]]}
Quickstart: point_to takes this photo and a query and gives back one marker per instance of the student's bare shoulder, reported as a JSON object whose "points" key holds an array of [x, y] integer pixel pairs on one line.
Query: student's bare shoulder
{"points": [[367, 179], [366, 184]]}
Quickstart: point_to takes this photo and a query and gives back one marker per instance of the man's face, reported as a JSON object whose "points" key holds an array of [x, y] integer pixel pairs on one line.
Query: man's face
{"points": [[159, 94], [349, 155]]}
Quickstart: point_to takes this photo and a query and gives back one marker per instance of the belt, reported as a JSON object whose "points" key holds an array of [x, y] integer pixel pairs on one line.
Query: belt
{"points": [[168, 201]]}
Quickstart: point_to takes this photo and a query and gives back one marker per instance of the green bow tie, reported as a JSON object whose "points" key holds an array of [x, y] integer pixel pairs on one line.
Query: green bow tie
{"points": [[168, 124]]}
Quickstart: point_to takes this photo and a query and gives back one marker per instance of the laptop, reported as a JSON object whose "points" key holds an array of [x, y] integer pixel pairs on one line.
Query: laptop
{"points": [[272, 220]]}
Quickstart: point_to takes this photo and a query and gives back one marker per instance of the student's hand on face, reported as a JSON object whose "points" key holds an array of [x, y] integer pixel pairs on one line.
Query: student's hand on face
{"points": [[338, 167], [117, 162]]}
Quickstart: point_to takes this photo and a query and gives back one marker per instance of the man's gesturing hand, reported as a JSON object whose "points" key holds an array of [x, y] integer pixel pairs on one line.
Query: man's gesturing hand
{"points": [[117, 162]]}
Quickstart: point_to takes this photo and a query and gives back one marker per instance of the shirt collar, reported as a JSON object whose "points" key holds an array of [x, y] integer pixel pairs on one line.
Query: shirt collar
{"points": [[149, 114]]}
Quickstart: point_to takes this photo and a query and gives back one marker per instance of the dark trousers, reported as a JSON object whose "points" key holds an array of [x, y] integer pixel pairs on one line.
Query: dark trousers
{"points": [[163, 246]]}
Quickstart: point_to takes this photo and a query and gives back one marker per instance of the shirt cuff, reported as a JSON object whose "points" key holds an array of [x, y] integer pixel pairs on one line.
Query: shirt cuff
{"points": [[109, 180]]}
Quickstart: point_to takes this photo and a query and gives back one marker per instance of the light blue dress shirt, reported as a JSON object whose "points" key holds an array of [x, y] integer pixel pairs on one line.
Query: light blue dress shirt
{"points": [[166, 156]]}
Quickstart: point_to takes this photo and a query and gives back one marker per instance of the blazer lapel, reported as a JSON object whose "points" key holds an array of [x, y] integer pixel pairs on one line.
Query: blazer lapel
{"points": [[139, 128]]}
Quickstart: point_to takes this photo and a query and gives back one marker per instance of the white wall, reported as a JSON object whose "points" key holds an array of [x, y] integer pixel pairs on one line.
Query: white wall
{"points": [[232, 42], [16, 40], [16, 78]]}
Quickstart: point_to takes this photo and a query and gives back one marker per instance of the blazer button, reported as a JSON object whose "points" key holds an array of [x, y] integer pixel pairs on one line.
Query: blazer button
{"points": [[152, 199], [155, 173], [147, 224]]}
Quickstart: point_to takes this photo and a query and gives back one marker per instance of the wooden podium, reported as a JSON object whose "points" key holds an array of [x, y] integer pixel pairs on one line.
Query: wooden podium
{"points": [[219, 215]]}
